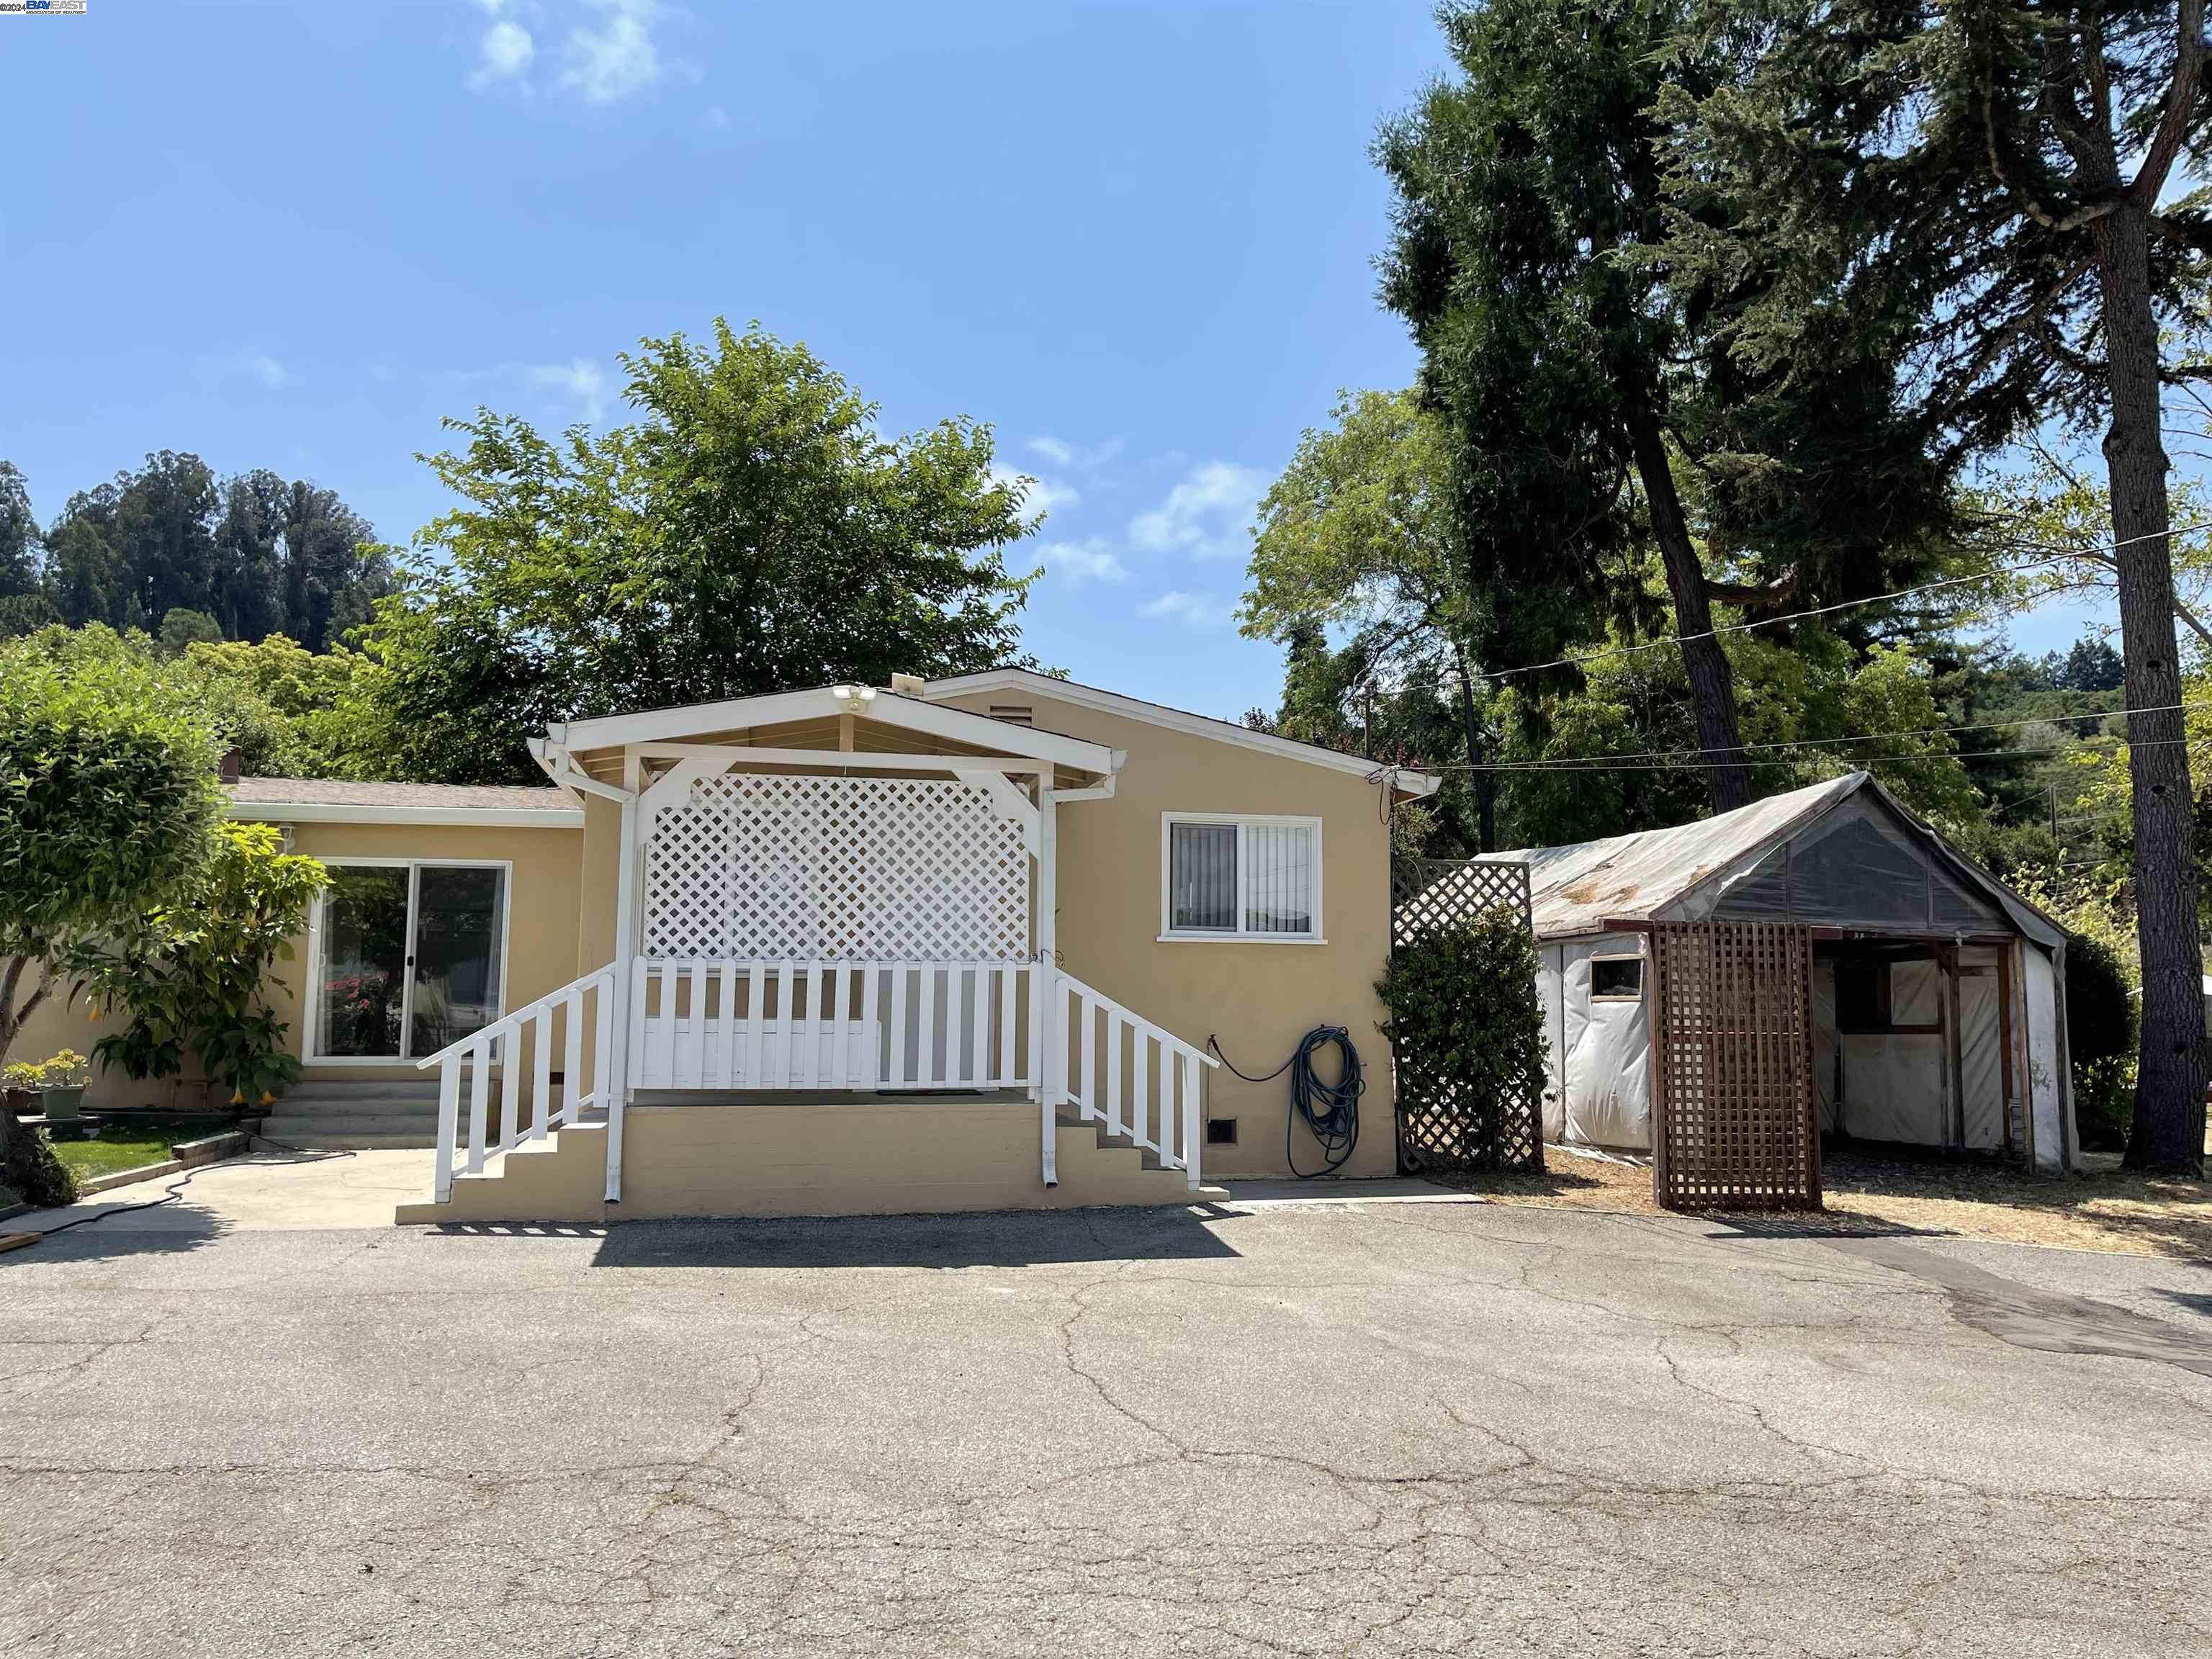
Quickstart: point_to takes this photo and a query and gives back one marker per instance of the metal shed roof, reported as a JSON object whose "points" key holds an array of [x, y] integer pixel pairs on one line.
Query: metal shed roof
{"points": [[1738, 862]]}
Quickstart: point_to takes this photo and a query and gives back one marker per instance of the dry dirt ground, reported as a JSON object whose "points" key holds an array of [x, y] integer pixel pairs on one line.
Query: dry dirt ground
{"points": [[1866, 1191]]}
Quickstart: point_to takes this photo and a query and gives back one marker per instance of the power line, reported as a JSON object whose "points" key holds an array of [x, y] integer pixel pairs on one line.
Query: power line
{"points": [[1860, 737], [1602, 763], [1845, 604]]}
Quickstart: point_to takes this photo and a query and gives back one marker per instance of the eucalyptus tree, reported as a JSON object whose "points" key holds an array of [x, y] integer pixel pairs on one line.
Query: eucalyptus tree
{"points": [[2003, 182]]}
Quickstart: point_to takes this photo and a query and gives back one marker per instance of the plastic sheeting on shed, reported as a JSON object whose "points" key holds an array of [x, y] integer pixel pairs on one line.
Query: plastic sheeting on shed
{"points": [[1607, 1067]]}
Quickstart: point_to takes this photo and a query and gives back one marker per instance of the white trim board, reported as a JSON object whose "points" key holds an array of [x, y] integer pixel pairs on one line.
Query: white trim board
{"points": [[822, 702], [1410, 782], [520, 817]]}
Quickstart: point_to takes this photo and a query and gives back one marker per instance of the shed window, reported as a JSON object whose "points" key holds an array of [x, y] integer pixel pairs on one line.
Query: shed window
{"points": [[1243, 877], [1616, 979], [1879, 996]]}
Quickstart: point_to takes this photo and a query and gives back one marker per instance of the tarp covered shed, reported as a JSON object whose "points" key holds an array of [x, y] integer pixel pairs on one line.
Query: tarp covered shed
{"points": [[1937, 1003]]}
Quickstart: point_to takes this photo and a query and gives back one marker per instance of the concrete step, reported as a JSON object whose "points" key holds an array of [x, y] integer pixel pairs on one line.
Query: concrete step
{"points": [[321, 1141], [1071, 1118], [401, 1087], [365, 1106], [328, 1129]]}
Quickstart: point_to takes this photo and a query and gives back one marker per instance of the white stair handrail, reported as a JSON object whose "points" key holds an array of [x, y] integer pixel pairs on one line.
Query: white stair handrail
{"points": [[479, 1049], [1170, 1123]]}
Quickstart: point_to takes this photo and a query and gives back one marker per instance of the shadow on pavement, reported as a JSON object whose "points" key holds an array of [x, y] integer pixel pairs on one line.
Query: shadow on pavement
{"points": [[1023, 1238]]}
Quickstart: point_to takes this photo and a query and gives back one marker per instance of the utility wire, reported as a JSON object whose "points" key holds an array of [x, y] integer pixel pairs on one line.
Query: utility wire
{"points": [[1860, 737], [2057, 558], [1603, 763]]}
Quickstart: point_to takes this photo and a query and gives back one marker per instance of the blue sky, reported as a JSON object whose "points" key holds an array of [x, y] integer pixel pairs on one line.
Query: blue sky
{"points": [[1134, 238]]}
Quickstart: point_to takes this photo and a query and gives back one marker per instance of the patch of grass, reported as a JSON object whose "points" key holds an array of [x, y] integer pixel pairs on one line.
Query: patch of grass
{"points": [[117, 1147]]}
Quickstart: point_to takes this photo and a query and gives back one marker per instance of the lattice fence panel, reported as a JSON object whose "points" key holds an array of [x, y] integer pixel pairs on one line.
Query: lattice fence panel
{"points": [[1443, 1123], [1735, 1125], [853, 869]]}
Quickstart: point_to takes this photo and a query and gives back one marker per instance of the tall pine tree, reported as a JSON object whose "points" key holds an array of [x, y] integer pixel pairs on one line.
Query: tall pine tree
{"points": [[1994, 174]]}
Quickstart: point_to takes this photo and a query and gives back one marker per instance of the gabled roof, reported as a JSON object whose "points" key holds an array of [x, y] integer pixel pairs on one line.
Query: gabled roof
{"points": [[337, 801], [1409, 780], [675, 725], [1686, 872]]}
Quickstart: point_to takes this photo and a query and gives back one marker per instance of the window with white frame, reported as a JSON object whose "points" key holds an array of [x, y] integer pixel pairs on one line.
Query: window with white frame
{"points": [[1239, 877]]}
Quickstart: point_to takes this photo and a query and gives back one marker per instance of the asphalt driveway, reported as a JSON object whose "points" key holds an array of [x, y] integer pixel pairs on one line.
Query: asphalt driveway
{"points": [[1377, 1428]]}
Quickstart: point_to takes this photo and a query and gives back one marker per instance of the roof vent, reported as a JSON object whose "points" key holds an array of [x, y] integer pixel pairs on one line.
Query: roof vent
{"points": [[908, 685], [1014, 713]]}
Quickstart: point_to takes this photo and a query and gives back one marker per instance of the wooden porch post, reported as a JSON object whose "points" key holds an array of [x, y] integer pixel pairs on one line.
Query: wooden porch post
{"points": [[626, 882], [1044, 995]]}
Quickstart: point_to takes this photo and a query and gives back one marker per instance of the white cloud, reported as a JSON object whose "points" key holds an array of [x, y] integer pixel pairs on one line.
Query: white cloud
{"points": [[1091, 560], [1197, 611], [266, 369], [1206, 515], [1083, 458], [618, 58], [579, 378], [714, 119], [1044, 495], [504, 54]]}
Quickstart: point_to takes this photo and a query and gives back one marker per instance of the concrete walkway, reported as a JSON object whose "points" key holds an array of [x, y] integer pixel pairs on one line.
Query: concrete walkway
{"points": [[269, 1192]]}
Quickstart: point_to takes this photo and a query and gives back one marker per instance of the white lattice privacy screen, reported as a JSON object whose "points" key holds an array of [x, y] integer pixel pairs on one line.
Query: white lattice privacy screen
{"points": [[758, 866]]}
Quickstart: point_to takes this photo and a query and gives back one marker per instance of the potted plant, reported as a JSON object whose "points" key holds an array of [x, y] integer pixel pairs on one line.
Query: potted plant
{"points": [[61, 1085], [20, 1084]]}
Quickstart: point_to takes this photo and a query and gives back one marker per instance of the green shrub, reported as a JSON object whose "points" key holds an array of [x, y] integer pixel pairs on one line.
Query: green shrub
{"points": [[2100, 1040], [196, 974], [28, 1165], [107, 798], [1465, 1019]]}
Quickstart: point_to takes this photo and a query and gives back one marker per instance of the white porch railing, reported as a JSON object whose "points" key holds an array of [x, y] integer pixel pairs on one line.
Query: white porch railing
{"points": [[1137, 1079], [522, 1044], [864, 1026]]}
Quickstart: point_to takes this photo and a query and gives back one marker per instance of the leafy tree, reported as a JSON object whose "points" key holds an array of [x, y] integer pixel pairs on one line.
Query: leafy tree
{"points": [[292, 558], [257, 554], [184, 627], [752, 532], [20, 541], [108, 800], [194, 973], [1993, 178], [1358, 533]]}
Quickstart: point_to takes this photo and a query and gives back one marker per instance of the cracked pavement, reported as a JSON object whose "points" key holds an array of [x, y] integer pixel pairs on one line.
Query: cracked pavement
{"points": [[1373, 1429]]}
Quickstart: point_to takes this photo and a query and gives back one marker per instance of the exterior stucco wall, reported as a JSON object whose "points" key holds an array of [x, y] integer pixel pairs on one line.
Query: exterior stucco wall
{"points": [[543, 907], [1258, 999]]}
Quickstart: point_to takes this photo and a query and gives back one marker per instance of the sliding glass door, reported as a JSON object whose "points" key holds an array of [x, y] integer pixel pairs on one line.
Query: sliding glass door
{"points": [[408, 957]]}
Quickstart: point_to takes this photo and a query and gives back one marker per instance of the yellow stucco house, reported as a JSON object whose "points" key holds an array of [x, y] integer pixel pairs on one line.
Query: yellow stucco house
{"points": [[785, 954]]}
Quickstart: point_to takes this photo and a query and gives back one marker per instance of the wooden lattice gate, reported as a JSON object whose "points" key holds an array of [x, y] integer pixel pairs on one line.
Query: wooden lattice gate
{"points": [[1443, 1123], [1735, 1126]]}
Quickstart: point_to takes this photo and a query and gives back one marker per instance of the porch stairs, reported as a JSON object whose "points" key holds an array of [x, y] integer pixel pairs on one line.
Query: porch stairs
{"points": [[398, 1112], [562, 1178]]}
